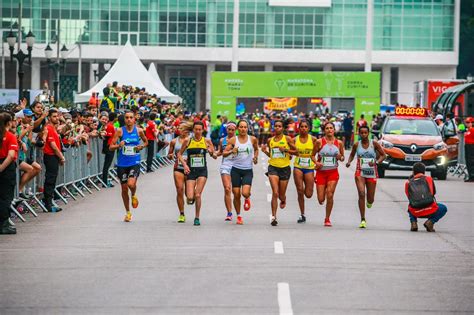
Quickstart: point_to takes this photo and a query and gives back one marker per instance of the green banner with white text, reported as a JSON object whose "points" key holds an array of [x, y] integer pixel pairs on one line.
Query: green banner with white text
{"points": [[357, 85]]}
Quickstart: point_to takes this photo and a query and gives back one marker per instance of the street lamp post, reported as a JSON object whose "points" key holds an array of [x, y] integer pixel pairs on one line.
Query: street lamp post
{"points": [[20, 56], [57, 66]]}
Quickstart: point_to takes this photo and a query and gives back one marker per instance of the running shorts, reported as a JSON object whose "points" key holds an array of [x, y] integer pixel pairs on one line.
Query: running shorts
{"points": [[370, 180], [180, 170], [240, 177], [283, 173], [196, 173], [323, 177], [304, 170], [225, 170], [124, 173]]}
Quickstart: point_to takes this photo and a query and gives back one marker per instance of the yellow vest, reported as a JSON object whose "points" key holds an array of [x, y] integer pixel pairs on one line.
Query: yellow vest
{"points": [[278, 158], [305, 150]]}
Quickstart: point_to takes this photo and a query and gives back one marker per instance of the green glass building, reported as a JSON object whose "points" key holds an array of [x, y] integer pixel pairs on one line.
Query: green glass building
{"points": [[188, 39]]}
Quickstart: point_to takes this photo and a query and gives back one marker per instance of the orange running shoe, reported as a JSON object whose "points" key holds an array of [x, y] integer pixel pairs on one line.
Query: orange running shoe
{"points": [[327, 223], [247, 204], [240, 221], [134, 201]]}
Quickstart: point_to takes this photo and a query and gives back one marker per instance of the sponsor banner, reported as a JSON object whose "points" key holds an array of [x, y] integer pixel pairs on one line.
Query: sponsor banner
{"points": [[296, 84], [366, 107], [281, 103], [436, 88], [224, 106]]}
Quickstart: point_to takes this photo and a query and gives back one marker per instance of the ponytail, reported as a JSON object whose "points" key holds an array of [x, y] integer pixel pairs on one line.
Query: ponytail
{"points": [[5, 118]]}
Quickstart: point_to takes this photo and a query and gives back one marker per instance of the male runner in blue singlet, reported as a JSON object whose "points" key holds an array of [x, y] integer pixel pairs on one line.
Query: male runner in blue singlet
{"points": [[127, 140]]}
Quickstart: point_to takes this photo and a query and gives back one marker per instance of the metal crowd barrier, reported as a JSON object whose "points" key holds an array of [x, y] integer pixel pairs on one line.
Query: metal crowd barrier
{"points": [[460, 169], [81, 175]]}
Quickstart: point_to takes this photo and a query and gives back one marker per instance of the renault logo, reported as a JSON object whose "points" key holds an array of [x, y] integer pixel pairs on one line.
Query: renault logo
{"points": [[413, 148]]}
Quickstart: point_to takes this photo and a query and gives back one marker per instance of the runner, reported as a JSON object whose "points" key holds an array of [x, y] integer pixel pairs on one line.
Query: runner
{"points": [[178, 170], [278, 149], [369, 154], [225, 169], [303, 170], [265, 129], [244, 148], [196, 148], [127, 139], [330, 151]]}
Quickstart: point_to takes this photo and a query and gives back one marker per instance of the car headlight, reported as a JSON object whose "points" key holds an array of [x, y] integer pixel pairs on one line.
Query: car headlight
{"points": [[386, 144], [442, 160], [440, 146]]}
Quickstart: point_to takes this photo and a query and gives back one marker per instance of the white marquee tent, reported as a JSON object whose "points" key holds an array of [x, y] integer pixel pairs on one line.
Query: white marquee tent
{"points": [[129, 70]]}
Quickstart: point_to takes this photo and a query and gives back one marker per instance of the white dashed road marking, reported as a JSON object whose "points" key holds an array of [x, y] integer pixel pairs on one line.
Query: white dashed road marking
{"points": [[284, 299], [279, 247]]}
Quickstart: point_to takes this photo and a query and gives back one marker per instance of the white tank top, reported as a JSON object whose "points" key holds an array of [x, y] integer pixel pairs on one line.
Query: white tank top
{"points": [[244, 158], [227, 162]]}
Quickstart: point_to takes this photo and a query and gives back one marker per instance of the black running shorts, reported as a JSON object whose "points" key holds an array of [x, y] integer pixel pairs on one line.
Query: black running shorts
{"points": [[124, 173], [196, 173], [240, 177], [283, 173]]}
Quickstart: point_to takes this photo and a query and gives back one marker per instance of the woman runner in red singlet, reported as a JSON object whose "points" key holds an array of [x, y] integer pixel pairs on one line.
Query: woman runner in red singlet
{"points": [[330, 152], [369, 155]]}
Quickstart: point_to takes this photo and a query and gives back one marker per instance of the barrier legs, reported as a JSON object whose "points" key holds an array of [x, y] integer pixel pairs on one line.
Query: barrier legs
{"points": [[60, 195], [17, 213]]}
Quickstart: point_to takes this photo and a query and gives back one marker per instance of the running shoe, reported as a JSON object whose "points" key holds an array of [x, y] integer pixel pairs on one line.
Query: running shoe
{"points": [[128, 217], [182, 218], [229, 216], [274, 221], [189, 201], [239, 220], [327, 223], [301, 219], [369, 205], [197, 222], [134, 201], [363, 224], [247, 204]]}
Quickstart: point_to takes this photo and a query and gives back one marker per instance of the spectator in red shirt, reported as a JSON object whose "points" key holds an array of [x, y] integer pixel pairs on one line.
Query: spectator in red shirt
{"points": [[53, 157], [94, 100], [151, 134], [8, 155], [469, 148], [434, 211], [108, 135]]}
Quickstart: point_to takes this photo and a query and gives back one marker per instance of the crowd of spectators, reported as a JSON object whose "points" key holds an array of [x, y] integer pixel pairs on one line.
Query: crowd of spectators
{"points": [[44, 132]]}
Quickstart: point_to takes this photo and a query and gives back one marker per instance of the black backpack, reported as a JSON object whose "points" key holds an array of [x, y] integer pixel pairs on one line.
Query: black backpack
{"points": [[419, 193]]}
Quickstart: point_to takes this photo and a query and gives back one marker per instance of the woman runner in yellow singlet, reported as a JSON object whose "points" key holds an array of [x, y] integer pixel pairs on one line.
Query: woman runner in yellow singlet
{"points": [[278, 149], [303, 167]]}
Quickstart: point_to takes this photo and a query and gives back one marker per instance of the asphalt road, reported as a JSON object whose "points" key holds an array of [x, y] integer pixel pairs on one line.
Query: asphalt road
{"points": [[85, 260]]}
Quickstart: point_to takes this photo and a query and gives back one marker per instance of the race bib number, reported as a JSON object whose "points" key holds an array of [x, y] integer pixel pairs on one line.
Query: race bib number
{"points": [[277, 154], [368, 173], [365, 164], [128, 150], [329, 161], [304, 162], [197, 162]]}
